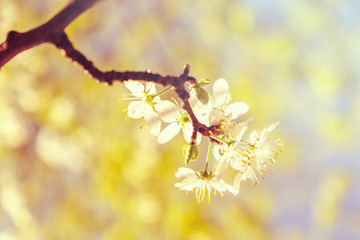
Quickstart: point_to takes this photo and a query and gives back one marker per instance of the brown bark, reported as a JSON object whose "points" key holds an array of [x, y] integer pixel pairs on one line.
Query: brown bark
{"points": [[53, 32]]}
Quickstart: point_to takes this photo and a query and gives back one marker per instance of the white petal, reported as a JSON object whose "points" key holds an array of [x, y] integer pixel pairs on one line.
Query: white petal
{"points": [[136, 109], [236, 164], [217, 152], [237, 182], [136, 88], [150, 86], [215, 116], [254, 135], [236, 109], [271, 127], [221, 93], [222, 186], [184, 172], [240, 130], [189, 184], [220, 168], [218, 184], [169, 132], [249, 173], [197, 105], [153, 120], [231, 189], [168, 111], [187, 131]]}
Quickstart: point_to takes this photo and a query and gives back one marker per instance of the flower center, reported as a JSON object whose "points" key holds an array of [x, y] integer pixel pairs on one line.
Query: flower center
{"points": [[184, 118], [149, 99]]}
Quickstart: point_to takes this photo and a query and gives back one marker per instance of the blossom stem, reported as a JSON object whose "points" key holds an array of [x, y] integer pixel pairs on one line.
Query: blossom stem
{"points": [[220, 139], [163, 91], [208, 157]]}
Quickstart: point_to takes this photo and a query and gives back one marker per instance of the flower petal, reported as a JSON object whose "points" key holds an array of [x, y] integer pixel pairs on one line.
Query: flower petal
{"points": [[231, 189], [220, 168], [136, 109], [239, 130], [235, 163], [271, 127], [215, 116], [254, 135], [168, 111], [187, 132], [189, 184], [221, 93], [236, 109], [184, 172], [237, 182], [169, 132], [217, 184], [136, 88], [153, 120], [150, 86], [217, 152]]}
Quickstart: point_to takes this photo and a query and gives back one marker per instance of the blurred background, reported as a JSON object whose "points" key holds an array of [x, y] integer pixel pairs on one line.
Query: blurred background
{"points": [[72, 166]]}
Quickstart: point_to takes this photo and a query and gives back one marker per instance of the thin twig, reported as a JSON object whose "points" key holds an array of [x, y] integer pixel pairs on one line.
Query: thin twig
{"points": [[53, 32]]}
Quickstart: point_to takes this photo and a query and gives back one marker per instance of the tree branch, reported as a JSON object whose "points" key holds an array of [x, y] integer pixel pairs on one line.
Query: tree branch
{"points": [[50, 31], [53, 32], [178, 82]]}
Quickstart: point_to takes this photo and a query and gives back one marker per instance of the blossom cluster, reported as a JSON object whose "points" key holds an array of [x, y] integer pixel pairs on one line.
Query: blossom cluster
{"points": [[248, 154]]}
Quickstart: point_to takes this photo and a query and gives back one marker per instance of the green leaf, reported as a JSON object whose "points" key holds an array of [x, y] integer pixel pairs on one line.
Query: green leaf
{"points": [[190, 152], [201, 94], [203, 82]]}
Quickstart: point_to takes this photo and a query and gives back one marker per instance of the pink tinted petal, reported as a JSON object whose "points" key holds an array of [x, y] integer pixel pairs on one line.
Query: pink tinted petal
{"points": [[153, 120], [136, 88], [169, 132], [136, 109]]}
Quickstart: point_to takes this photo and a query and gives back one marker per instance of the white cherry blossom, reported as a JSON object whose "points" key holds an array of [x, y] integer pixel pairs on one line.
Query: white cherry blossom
{"points": [[220, 102], [261, 151], [249, 157], [231, 154], [178, 119], [143, 104], [203, 183]]}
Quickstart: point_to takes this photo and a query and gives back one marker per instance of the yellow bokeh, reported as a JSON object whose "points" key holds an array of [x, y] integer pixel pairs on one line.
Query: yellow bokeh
{"points": [[72, 166]]}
